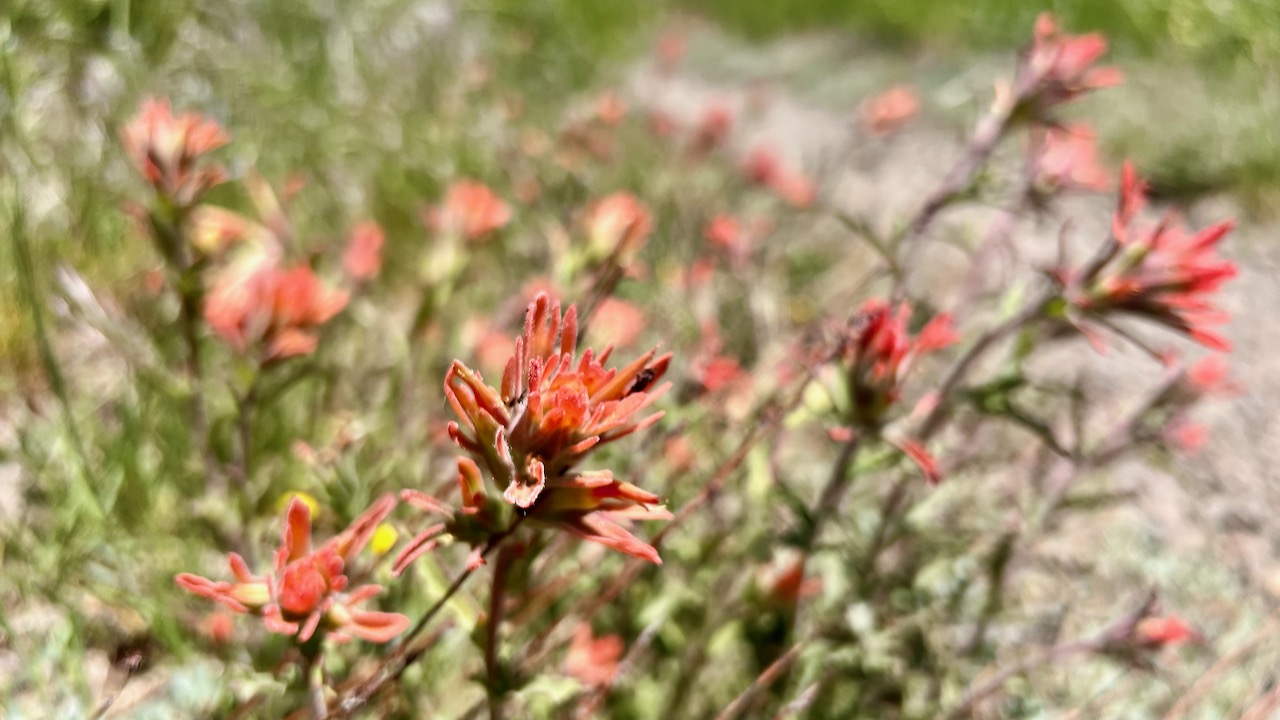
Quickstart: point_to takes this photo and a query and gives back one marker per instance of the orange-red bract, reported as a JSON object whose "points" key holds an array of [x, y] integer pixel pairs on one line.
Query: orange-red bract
{"points": [[306, 590]]}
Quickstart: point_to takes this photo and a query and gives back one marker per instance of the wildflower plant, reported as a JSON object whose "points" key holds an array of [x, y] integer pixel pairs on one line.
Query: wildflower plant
{"points": [[758, 538], [552, 410]]}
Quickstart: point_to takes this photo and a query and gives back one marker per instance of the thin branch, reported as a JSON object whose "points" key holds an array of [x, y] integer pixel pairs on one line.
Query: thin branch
{"points": [[403, 656], [805, 698], [1117, 632], [762, 682], [1205, 682], [497, 596], [955, 183], [933, 421], [833, 492]]}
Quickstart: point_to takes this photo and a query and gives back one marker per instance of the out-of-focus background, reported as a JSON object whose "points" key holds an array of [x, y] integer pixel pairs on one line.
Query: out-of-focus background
{"points": [[374, 105], [327, 84]]}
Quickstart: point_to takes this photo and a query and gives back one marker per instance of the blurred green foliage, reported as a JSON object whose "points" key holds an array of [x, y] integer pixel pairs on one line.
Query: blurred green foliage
{"points": [[1226, 31], [1206, 72]]}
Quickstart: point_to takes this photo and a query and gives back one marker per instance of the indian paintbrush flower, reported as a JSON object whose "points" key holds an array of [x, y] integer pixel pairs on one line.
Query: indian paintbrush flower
{"points": [[1066, 158], [470, 210], [168, 150], [363, 257], [307, 590], [1058, 68], [887, 112], [273, 312], [618, 224], [530, 434], [764, 167], [1163, 273], [881, 352], [593, 660]]}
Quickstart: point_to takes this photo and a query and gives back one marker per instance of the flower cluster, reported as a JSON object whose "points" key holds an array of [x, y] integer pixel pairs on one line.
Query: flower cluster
{"points": [[252, 301], [618, 224], [712, 130], [881, 352], [168, 150], [1066, 158], [764, 167], [1058, 68], [1160, 272], [548, 414], [270, 311], [470, 210], [363, 257], [307, 591], [888, 112]]}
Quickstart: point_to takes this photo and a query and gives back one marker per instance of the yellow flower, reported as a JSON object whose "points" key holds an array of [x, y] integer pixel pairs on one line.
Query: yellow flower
{"points": [[312, 504], [384, 538]]}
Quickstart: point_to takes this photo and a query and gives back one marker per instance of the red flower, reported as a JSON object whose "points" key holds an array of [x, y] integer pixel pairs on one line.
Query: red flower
{"points": [[782, 581], [1208, 376], [1058, 68], [617, 323], [363, 256], [661, 124], [712, 130], [764, 167], [1188, 437], [921, 457], [618, 223], [1066, 158], [167, 151], [549, 413], [882, 352], [307, 589], [470, 210], [593, 660], [610, 109], [1163, 273], [1159, 632], [713, 370], [219, 627], [672, 46], [887, 112], [274, 311], [723, 231]]}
